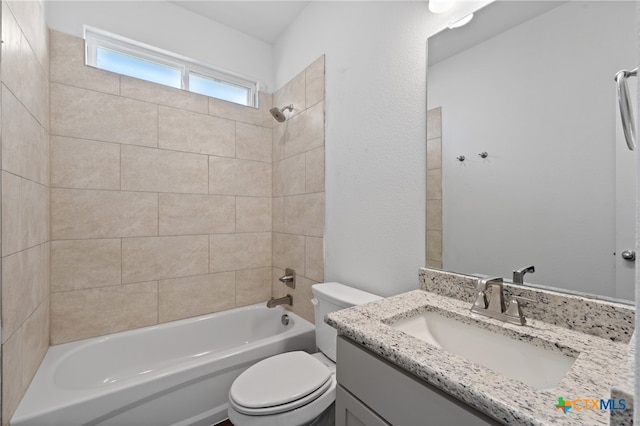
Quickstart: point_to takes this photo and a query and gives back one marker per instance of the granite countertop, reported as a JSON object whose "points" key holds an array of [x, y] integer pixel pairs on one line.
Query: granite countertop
{"points": [[602, 354]]}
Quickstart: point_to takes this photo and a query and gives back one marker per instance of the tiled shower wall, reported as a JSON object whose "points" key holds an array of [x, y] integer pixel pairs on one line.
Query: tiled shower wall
{"points": [[161, 200], [298, 187], [25, 198], [434, 188]]}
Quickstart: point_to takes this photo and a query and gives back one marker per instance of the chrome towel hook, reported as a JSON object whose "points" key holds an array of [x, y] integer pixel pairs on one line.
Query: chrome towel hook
{"points": [[460, 158]]}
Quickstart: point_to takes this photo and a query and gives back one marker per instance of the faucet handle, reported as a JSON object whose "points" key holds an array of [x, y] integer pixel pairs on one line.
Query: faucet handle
{"points": [[514, 310], [481, 300]]}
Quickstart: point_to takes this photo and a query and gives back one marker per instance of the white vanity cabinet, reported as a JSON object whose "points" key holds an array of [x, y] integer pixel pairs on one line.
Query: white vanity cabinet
{"points": [[372, 391]]}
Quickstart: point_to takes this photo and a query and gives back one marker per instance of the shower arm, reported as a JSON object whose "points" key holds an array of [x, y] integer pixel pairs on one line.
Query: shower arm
{"points": [[626, 112]]}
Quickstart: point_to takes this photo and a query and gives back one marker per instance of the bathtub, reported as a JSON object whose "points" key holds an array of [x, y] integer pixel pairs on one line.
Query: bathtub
{"points": [[178, 373]]}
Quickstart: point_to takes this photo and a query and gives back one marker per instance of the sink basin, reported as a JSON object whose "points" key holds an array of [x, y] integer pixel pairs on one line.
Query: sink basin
{"points": [[535, 366]]}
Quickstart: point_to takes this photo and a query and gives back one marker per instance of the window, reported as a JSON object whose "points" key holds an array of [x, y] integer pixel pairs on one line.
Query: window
{"points": [[123, 56]]}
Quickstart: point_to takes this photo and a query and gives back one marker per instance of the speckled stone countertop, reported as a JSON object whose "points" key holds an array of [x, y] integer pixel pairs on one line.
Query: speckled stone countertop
{"points": [[602, 349]]}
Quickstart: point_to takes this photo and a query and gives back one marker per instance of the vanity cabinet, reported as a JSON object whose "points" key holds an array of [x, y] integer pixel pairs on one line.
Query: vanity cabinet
{"points": [[372, 391]]}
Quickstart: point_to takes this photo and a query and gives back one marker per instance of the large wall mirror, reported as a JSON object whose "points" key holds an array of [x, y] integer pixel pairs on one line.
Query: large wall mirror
{"points": [[531, 85]]}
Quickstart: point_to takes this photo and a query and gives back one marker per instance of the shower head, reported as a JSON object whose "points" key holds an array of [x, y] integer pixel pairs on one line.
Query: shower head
{"points": [[278, 113]]}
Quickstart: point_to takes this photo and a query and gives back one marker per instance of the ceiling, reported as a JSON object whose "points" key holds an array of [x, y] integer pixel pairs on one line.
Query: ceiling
{"points": [[264, 20]]}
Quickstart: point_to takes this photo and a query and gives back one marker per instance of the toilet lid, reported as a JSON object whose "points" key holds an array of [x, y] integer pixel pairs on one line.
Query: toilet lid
{"points": [[279, 380]]}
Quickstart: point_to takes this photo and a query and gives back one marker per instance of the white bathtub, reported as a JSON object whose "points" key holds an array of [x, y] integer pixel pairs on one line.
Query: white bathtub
{"points": [[178, 373]]}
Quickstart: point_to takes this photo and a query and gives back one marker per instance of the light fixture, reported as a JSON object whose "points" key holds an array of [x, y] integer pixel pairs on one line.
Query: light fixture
{"points": [[439, 6], [460, 22]]}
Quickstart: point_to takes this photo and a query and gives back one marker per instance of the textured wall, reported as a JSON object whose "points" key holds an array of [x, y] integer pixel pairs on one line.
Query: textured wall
{"points": [[25, 198], [375, 135]]}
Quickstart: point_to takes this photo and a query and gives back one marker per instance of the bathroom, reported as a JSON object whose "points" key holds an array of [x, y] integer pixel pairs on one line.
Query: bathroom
{"points": [[347, 204]]}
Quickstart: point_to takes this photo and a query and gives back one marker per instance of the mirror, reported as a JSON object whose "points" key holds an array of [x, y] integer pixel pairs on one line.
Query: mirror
{"points": [[531, 84]]}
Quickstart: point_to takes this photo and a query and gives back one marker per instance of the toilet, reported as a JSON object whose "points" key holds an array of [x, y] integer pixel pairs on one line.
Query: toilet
{"points": [[296, 388]]}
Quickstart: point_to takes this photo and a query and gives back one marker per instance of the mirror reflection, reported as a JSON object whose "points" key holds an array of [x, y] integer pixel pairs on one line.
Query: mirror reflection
{"points": [[525, 93]]}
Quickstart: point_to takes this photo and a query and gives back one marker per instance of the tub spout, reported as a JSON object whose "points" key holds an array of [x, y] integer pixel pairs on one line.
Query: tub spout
{"points": [[286, 300]]}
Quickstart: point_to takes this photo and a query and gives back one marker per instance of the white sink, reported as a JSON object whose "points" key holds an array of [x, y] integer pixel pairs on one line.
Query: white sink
{"points": [[535, 366]]}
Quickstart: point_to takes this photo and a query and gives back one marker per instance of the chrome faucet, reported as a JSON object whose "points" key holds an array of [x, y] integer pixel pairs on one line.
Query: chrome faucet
{"points": [[518, 274], [286, 300], [495, 307]]}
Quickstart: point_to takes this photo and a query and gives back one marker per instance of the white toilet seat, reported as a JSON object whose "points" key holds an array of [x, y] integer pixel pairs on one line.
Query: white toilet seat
{"points": [[297, 408], [280, 383]]}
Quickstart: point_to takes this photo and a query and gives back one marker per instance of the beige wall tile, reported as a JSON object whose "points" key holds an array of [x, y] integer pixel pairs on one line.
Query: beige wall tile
{"points": [[278, 133], [192, 132], [293, 92], [81, 163], [83, 213], [253, 142], [164, 95], [25, 213], [68, 66], [159, 170], [306, 131], [289, 176], [25, 143], [25, 284], [147, 259], [314, 176], [12, 365], [434, 264], [35, 341], [264, 117], [434, 184], [314, 258], [315, 82], [288, 252], [13, 239], [304, 214], [277, 287], [253, 286], [232, 111], [94, 312], [434, 215], [231, 252], [434, 246], [30, 17], [302, 296], [22, 71], [434, 153], [229, 176], [253, 214], [86, 114], [434, 123], [81, 264], [182, 214], [278, 214], [192, 296]]}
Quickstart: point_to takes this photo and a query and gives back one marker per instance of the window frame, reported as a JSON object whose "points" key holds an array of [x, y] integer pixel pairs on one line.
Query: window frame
{"points": [[96, 38]]}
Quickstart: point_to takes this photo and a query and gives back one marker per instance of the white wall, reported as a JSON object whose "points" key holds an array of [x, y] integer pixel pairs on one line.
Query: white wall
{"points": [[375, 135], [545, 195], [170, 27]]}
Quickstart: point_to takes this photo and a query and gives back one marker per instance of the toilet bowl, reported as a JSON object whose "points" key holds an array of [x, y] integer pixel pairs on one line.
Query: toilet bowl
{"points": [[296, 388]]}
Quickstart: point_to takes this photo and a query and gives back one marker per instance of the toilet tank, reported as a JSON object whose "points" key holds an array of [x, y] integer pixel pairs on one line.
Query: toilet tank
{"points": [[331, 297]]}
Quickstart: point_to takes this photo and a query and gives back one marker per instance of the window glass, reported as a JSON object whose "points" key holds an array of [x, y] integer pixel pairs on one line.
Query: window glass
{"points": [[135, 67], [216, 89], [120, 55]]}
